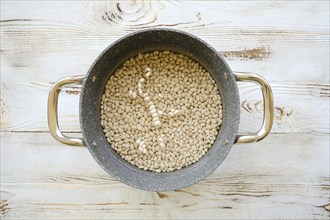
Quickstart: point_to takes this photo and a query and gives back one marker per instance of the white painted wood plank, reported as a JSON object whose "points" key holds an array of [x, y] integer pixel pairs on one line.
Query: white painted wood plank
{"points": [[126, 15], [284, 63], [284, 176], [299, 108]]}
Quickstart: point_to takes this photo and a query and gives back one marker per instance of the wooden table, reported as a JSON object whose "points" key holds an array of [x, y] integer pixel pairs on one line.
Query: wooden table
{"points": [[285, 176]]}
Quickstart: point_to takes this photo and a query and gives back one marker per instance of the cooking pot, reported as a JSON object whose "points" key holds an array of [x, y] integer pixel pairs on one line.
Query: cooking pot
{"points": [[93, 85]]}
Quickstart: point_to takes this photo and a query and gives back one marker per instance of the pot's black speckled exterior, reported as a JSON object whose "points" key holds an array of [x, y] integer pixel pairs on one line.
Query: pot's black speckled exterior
{"points": [[106, 64]]}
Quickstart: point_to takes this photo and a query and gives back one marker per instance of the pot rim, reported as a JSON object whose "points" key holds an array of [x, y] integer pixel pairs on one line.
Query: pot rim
{"points": [[152, 181]]}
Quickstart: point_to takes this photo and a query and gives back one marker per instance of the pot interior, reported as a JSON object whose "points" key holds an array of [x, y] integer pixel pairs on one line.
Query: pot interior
{"points": [[106, 65]]}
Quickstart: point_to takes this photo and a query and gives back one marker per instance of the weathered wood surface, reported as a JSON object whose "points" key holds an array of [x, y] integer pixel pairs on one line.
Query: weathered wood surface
{"points": [[259, 181], [284, 176], [298, 107]]}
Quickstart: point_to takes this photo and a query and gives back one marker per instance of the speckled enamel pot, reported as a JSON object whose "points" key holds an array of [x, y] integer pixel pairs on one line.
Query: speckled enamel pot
{"points": [[105, 65]]}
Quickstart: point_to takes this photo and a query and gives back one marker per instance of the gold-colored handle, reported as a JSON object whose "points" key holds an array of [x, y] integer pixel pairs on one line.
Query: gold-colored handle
{"points": [[268, 108], [52, 111]]}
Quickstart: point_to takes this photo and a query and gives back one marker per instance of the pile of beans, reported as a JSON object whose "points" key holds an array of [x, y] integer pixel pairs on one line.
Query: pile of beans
{"points": [[161, 111]]}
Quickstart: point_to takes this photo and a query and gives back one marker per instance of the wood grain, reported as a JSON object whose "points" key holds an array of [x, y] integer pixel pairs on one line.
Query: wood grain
{"points": [[256, 181]]}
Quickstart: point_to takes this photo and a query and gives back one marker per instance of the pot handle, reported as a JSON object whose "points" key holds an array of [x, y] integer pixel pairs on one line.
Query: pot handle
{"points": [[52, 111], [268, 108]]}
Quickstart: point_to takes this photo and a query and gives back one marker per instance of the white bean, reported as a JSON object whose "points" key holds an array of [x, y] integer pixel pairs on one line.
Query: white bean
{"points": [[185, 111]]}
